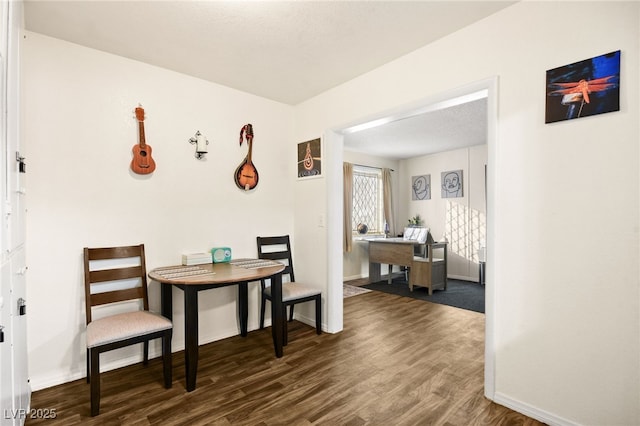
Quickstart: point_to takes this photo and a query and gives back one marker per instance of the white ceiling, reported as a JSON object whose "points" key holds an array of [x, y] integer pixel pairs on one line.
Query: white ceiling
{"points": [[443, 129], [288, 51]]}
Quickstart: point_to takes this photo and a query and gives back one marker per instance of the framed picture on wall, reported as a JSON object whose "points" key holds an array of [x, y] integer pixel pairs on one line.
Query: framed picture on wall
{"points": [[583, 88], [451, 184], [310, 159], [421, 187]]}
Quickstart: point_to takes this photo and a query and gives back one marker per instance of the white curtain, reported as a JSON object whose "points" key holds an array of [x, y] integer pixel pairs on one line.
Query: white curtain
{"points": [[347, 241], [387, 200]]}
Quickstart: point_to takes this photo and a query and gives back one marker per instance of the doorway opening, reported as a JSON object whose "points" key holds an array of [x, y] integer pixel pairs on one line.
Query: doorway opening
{"points": [[334, 144]]}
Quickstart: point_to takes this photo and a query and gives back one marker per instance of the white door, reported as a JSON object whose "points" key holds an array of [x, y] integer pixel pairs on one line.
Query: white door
{"points": [[14, 383], [15, 179], [6, 393], [19, 310]]}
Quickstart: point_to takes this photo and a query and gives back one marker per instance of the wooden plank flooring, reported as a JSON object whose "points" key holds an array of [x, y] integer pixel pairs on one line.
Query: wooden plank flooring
{"points": [[399, 361]]}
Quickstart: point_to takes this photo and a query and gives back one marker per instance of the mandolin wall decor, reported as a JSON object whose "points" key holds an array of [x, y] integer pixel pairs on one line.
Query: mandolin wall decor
{"points": [[246, 175]]}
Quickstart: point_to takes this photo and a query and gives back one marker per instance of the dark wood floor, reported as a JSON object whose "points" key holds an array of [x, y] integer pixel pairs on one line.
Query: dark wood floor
{"points": [[399, 361]]}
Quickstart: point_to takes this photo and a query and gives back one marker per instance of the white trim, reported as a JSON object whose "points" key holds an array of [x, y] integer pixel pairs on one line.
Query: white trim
{"points": [[354, 277], [460, 277], [43, 381], [533, 412], [491, 196], [443, 103], [334, 145]]}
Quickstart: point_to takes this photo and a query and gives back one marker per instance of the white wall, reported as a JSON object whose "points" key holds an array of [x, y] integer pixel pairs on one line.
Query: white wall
{"points": [[564, 269], [463, 242], [79, 129], [563, 352]]}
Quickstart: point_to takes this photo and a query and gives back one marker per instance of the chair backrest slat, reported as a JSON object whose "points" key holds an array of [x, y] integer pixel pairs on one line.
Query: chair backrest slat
{"points": [[114, 252], [114, 274], [116, 296], [281, 255], [276, 255]]}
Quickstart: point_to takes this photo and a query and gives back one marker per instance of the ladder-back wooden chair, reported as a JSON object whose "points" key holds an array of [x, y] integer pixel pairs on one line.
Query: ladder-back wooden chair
{"points": [[279, 249], [112, 275]]}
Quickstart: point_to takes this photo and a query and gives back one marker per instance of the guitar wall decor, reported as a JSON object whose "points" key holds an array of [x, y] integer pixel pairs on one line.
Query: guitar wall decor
{"points": [[142, 162], [246, 175]]}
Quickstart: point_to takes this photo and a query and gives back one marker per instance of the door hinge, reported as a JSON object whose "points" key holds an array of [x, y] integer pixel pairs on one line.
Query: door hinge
{"points": [[22, 166], [22, 306]]}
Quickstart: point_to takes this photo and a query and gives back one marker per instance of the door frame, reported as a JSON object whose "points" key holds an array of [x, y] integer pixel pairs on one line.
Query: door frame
{"points": [[334, 145]]}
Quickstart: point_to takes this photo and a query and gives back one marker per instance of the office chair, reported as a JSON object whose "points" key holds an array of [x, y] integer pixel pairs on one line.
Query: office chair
{"points": [[279, 249], [118, 274]]}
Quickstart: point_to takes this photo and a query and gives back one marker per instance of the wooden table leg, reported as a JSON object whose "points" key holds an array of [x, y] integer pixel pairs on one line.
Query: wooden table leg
{"points": [[166, 300], [243, 308], [374, 272], [191, 335], [277, 316]]}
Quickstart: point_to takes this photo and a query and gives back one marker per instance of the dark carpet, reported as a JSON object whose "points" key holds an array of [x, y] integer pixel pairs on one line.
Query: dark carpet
{"points": [[460, 294]]}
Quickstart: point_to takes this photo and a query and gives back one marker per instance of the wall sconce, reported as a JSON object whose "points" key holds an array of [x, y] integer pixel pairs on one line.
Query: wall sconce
{"points": [[201, 142]]}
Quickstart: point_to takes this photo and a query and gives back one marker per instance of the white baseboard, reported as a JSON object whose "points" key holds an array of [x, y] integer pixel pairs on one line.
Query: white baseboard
{"points": [[353, 277], [43, 382], [453, 277], [462, 277], [60, 377], [533, 412]]}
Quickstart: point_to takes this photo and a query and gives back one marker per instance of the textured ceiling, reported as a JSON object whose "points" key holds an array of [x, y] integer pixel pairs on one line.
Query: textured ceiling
{"points": [[453, 127], [287, 51]]}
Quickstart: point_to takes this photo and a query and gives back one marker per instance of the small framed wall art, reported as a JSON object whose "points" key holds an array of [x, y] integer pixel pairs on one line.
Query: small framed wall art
{"points": [[583, 88], [421, 187], [451, 184], [310, 159]]}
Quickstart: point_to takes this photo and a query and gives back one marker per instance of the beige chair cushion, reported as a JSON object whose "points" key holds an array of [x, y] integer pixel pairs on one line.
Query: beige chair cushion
{"points": [[291, 291], [123, 326]]}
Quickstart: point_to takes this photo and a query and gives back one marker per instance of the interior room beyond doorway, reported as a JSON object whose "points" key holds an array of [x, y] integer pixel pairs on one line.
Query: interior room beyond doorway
{"points": [[337, 139]]}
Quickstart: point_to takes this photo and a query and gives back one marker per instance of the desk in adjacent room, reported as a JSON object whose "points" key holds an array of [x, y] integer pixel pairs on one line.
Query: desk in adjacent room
{"points": [[196, 278], [395, 251]]}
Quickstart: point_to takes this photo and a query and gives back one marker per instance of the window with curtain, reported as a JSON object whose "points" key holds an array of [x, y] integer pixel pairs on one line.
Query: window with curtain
{"points": [[367, 199]]}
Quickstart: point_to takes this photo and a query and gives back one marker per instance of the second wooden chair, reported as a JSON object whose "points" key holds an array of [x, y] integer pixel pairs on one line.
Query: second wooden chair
{"points": [[279, 249]]}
